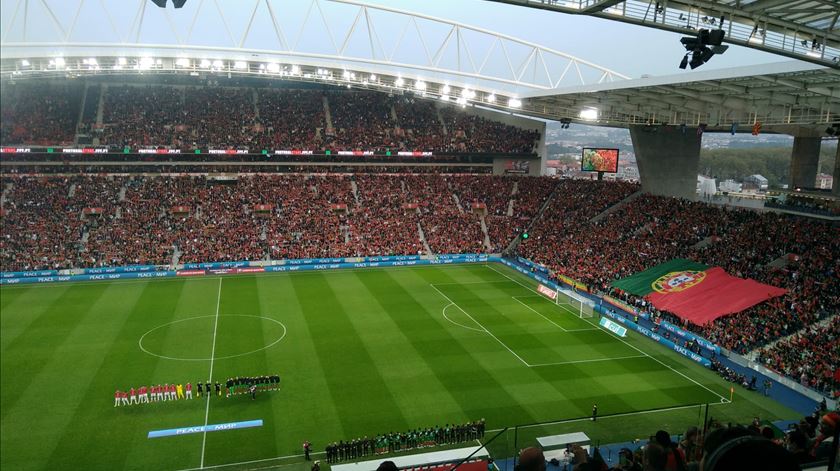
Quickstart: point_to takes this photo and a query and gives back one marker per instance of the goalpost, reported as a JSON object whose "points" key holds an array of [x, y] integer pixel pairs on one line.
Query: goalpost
{"points": [[578, 304]]}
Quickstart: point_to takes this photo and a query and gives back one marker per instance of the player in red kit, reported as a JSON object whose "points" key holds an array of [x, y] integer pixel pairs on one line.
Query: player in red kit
{"points": [[188, 391], [143, 396], [117, 396], [132, 396]]}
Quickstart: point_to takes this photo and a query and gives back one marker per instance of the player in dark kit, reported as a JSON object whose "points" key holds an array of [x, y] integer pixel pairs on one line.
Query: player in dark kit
{"points": [[198, 390], [218, 389], [594, 412]]}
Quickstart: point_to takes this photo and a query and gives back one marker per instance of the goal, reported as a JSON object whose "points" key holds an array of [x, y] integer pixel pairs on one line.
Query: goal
{"points": [[570, 300]]}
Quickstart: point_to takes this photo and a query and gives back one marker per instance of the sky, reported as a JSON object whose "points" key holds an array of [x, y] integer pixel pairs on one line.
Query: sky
{"points": [[628, 49]]}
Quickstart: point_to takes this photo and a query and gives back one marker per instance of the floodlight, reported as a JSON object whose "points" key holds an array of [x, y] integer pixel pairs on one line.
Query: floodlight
{"points": [[399, 82], [491, 98], [461, 101], [445, 90], [59, 62], [589, 114], [122, 61], [420, 85], [204, 64], [514, 103], [217, 64], [273, 67], [24, 63], [346, 75], [373, 77], [182, 62], [295, 69]]}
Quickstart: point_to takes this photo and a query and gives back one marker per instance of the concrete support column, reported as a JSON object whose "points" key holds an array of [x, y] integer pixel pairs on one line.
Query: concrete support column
{"points": [[835, 187], [668, 158], [804, 162]]}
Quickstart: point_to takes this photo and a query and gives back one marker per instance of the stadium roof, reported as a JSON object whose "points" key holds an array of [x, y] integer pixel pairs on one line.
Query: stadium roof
{"points": [[789, 97], [339, 34], [808, 30]]}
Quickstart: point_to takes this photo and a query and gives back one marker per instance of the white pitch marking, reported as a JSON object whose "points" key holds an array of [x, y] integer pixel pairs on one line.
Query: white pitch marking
{"points": [[480, 325], [588, 361], [212, 355], [456, 323], [546, 318], [624, 341]]}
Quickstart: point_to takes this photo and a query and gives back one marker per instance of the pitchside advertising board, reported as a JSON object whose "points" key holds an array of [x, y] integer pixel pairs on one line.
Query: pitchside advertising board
{"points": [[599, 160]]}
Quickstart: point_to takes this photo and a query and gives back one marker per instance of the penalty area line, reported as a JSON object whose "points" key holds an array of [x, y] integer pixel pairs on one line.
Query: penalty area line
{"points": [[480, 325], [722, 399]]}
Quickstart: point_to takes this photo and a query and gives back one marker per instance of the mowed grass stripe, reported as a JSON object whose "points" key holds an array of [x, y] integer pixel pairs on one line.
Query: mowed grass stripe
{"points": [[359, 392], [494, 384], [305, 397], [21, 308], [236, 335], [92, 412], [60, 384], [382, 326], [36, 346], [197, 297], [561, 346]]}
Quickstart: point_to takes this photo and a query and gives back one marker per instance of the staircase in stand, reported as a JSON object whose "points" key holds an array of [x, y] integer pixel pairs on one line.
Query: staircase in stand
{"points": [[487, 245], [423, 239], [616, 207]]}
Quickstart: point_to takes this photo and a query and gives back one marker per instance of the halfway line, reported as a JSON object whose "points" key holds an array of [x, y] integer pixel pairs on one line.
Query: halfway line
{"points": [[212, 358]]}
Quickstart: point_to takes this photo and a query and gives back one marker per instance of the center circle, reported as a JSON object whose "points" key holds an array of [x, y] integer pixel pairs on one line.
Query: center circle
{"points": [[194, 338]]}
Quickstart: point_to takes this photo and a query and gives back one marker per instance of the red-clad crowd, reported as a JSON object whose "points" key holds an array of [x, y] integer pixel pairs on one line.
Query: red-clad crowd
{"points": [[39, 113], [212, 116], [811, 356], [800, 255], [110, 221]]}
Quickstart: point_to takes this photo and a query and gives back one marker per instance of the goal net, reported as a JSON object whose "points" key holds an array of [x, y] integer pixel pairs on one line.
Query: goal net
{"points": [[570, 300]]}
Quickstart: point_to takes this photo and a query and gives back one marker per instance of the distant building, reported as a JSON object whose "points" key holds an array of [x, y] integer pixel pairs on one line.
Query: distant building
{"points": [[755, 182], [706, 186], [824, 181], [730, 186]]}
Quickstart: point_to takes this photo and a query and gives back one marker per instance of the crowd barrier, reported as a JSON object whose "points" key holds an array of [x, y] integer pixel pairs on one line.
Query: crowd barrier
{"points": [[242, 267], [653, 335]]}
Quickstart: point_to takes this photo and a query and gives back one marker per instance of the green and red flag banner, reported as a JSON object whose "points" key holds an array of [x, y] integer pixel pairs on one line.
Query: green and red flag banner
{"points": [[695, 292]]}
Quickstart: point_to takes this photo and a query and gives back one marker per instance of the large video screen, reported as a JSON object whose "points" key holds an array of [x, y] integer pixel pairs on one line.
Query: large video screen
{"points": [[599, 160]]}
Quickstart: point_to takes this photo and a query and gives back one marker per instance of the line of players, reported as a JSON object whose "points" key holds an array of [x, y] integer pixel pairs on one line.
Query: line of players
{"points": [[174, 392], [251, 384], [395, 442]]}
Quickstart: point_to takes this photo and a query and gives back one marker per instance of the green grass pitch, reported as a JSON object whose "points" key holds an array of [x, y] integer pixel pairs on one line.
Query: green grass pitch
{"points": [[359, 351]]}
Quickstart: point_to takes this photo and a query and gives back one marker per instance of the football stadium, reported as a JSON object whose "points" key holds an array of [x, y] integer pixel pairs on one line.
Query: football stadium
{"points": [[438, 236]]}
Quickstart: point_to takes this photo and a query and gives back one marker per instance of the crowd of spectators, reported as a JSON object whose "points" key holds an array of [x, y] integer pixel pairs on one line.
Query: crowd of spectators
{"points": [[290, 119], [39, 113], [158, 219], [713, 447], [201, 117], [811, 356], [800, 255]]}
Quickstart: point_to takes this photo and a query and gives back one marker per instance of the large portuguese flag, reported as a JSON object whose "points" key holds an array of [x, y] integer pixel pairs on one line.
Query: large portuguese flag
{"points": [[696, 292]]}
